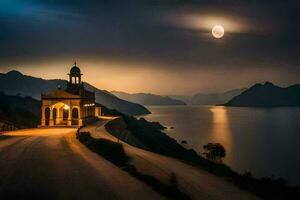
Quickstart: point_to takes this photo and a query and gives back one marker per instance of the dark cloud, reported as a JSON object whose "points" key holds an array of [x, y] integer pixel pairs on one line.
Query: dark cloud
{"points": [[137, 30]]}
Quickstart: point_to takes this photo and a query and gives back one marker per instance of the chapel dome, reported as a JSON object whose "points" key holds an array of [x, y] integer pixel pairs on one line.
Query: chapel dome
{"points": [[75, 70]]}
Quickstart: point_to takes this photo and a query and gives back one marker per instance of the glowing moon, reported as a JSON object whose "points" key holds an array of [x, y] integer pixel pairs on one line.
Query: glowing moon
{"points": [[218, 31]]}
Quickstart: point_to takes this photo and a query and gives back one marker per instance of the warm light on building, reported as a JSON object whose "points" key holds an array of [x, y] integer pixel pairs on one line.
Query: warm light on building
{"points": [[89, 105], [72, 106], [66, 107]]}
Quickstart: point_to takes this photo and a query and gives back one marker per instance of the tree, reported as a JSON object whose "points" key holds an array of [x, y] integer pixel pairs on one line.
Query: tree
{"points": [[214, 152]]}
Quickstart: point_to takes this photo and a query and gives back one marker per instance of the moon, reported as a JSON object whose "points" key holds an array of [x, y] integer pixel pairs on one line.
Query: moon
{"points": [[218, 31]]}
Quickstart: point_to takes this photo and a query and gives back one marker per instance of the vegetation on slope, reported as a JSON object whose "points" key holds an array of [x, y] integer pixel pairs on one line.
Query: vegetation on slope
{"points": [[115, 153]]}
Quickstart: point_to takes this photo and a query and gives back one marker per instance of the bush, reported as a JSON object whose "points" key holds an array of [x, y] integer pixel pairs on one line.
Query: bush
{"points": [[214, 152], [111, 151]]}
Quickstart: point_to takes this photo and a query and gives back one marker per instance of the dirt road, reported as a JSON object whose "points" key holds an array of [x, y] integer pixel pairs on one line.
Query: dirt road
{"points": [[52, 164]]}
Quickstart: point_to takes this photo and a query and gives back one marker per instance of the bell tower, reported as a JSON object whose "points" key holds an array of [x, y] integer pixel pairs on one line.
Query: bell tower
{"points": [[75, 75], [75, 85]]}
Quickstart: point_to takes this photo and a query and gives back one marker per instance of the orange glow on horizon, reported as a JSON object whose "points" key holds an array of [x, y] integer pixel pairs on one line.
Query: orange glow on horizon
{"points": [[146, 77]]}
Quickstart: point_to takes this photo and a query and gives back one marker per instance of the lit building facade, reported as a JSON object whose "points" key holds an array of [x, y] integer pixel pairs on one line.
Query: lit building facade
{"points": [[73, 106]]}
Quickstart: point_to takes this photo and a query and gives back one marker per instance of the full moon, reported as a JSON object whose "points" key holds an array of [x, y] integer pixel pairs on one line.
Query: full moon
{"points": [[218, 31]]}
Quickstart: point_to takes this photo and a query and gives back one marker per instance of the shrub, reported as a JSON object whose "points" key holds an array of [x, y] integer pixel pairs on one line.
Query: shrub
{"points": [[215, 152], [111, 151]]}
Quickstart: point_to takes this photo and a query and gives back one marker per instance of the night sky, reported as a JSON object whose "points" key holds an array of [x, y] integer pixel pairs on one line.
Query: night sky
{"points": [[158, 46]]}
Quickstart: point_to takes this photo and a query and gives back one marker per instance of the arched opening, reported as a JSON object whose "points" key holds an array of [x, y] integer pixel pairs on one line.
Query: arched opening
{"points": [[65, 114], [60, 112], [75, 80], [54, 115], [47, 116], [75, 116]]}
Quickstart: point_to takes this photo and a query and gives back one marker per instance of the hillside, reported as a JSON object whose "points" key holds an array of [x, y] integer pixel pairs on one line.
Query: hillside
{"points": [[147, 98], [214, 98], [15, 83], [267, 95], [183, 98], [21, 112]]}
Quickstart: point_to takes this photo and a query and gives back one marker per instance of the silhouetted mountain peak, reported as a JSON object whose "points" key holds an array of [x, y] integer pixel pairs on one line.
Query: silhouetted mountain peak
{"points": [[268, 95], [14, 73], [269, 84], [266, 86], [256, 85]]}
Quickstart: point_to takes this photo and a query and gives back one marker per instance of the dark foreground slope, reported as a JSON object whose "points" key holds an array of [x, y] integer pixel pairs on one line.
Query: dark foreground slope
{"points": [[14, 82], [148, 99], [267, 95], [22, 112]]}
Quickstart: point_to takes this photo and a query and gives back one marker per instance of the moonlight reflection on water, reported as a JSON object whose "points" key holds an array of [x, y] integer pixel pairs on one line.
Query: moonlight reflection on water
{"points": [[220, 132]]}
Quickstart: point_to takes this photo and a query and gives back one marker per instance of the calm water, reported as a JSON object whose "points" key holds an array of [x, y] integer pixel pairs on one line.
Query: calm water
{"points": [[263, 141]]}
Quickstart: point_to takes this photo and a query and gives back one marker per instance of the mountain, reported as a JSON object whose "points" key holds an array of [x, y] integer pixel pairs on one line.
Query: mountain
{"points": [[182, 98], [22, 112], [214, 98], [15, 83], [267, 95], [148, 99]]}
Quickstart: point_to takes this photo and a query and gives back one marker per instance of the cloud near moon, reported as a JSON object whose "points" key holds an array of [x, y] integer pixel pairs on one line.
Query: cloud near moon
{"points": [[205, 21]]}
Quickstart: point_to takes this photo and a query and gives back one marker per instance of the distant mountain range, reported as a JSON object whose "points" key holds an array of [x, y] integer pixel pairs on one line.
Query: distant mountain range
{"points": [[209, 98], [15, 83], [197, 99], [260, 95], [214, 98], [147, 98], [267, 95]]}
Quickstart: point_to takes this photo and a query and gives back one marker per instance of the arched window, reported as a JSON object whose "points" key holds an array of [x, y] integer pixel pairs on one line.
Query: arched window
{"points": [[65, 114], [54, 113], [75, 113], [47, 115], [75, 116]]}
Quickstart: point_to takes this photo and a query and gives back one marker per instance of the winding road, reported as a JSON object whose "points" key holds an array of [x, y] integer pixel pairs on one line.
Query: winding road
{"points": [[52, 164]]}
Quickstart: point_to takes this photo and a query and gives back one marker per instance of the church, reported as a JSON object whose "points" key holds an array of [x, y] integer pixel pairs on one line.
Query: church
{"points": [[73, 106]]}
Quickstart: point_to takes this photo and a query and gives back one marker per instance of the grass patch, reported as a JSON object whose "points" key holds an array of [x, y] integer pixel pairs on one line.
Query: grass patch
{"points": [[114, 152]]}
